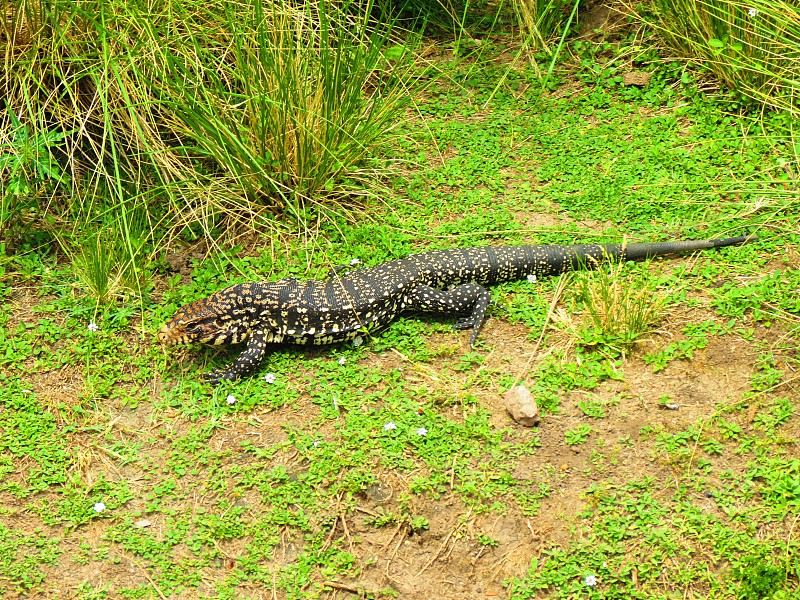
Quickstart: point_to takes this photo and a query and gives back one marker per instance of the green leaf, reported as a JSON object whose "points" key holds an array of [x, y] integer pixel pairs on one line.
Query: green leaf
{"points": [[394, 52], [715, 43], [17, 186]]}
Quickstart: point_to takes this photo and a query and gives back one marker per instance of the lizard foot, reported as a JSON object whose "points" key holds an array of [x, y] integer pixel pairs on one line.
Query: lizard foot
{"points": [[464, 323], [217, 375]]}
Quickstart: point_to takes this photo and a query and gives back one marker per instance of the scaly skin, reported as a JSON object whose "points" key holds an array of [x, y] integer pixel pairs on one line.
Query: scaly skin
{"points": [[339, 308]]}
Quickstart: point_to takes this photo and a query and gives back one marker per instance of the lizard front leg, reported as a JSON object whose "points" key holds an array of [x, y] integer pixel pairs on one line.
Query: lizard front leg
{"points": [[247, 362]]}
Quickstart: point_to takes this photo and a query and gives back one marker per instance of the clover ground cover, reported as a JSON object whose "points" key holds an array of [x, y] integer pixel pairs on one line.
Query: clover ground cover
{"points": [[392, 467]]}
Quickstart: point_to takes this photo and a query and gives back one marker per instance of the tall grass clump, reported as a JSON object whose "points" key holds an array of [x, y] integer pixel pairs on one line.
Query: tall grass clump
{"points": [[198, 111], [540, 20], [289, 105], [108, 252], [751, 46], [613, 309]]}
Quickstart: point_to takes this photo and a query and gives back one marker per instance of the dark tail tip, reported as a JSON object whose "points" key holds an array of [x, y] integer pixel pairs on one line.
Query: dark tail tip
{"points": [[734, 241]]}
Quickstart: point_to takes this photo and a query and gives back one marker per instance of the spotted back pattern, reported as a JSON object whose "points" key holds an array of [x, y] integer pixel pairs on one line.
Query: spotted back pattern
{"points": [[340, 308]]}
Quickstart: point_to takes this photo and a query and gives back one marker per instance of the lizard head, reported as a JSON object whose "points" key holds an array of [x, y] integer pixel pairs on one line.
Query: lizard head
{"points": [[201, 321]]}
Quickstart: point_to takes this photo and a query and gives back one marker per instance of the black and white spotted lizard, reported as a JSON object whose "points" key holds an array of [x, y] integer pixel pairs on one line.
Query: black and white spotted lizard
{"points": [[342, 307]]}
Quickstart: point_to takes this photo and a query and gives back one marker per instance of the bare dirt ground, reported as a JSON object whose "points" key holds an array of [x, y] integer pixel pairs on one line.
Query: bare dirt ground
{"points": [[446, 561]]}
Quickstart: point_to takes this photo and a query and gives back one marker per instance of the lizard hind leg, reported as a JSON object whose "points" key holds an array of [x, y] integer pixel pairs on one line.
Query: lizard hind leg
{"points": [[469, 301]]}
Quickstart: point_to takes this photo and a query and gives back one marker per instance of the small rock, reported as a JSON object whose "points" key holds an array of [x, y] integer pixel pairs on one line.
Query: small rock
{"points": [[637, 78], [523, 408], [143, 523], [379, 492]]}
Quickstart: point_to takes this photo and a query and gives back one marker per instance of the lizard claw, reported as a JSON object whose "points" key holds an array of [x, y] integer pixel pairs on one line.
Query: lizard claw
{"points": [[333, 273], [213, 377], [498, 306], [464, 323]]}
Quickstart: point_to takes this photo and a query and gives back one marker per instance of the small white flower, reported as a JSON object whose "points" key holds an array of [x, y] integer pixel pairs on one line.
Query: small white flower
{"points": [[357, 341], [355, 262], [752, 12], [342, 361], [422, 432], [92, 326], [590, 580], [335, 403], [532, 278], [99, 507], [389, 426], [231, 399], [270, 378], [26, 391], [315, 443]]}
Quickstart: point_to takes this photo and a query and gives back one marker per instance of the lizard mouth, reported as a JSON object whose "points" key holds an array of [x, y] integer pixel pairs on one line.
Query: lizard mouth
{"points": [[167, 336]]}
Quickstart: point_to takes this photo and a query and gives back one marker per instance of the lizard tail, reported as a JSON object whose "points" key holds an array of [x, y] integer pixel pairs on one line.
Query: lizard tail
{"points": [[643, 251]]}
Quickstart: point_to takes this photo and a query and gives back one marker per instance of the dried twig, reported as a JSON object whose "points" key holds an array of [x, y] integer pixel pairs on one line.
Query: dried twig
{"points": [[345, 588], [150, 579], [438, 553]]}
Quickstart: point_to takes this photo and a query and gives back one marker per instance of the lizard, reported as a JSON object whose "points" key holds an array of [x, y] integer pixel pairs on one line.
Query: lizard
{"points": [[342, 307]]}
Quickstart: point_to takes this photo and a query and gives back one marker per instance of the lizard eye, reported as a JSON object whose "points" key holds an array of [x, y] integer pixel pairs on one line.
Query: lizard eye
{"points": [[205, 326]]}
